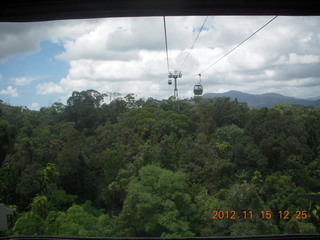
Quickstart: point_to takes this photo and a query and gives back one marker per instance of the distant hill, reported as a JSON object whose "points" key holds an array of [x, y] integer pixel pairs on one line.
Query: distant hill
{"points": [[265, 100], [314, 98]]}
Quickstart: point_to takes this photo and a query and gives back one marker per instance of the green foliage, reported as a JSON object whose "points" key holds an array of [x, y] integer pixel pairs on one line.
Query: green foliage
{"points": [[249, 227], [6, 138], [29, 183], [49, 178], [83, 107], [106, 165], [157, 204], [40, 206], [60, 200], [257, 179], [32, 222], [29, 223], [295, 226], [244, 197], [75, 222]]}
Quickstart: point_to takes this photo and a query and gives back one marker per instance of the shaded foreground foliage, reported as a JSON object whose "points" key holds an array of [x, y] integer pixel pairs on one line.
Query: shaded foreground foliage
{"points": [[158, 168]]}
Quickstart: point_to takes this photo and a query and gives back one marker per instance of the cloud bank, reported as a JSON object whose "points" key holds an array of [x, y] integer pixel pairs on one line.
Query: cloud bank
{"points": [[127, 55]]}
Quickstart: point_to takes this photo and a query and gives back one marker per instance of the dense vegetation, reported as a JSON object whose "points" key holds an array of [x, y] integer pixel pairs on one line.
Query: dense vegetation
{"points": [[158, 168]]}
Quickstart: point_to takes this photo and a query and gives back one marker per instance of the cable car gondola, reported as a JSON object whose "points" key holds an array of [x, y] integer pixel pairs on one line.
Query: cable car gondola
{"points": [[169, 81], [198, 89]]}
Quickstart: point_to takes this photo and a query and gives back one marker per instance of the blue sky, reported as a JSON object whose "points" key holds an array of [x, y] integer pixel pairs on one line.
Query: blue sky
{"points": [[43, 62], [24, 72]]}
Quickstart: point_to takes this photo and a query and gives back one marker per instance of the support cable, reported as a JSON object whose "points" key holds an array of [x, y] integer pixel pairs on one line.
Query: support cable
{"points": [[192, 46], [166, 41], [210, 66]]}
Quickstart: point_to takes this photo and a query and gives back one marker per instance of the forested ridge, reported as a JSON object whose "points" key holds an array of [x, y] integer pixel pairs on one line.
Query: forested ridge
{"points": [[151, 168]]}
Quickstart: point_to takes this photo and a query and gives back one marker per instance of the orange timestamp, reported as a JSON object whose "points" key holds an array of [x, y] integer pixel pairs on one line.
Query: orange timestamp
{"points": [[262, 214]]}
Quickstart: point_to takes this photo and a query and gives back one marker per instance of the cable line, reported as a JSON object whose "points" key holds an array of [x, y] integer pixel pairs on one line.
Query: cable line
{"points": [[176, 74], [210, 66], [193, 43], [166, 41]]}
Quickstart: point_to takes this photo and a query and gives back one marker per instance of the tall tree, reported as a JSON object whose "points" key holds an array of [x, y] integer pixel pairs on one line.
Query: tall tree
{"points": [[157, 204]]}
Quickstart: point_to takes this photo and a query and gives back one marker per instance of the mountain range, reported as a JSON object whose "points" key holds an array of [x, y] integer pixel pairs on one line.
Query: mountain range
{"points": [[266, 99]]}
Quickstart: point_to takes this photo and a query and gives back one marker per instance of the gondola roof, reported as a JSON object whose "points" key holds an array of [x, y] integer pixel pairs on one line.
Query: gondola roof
{"points": [[43, 10]]}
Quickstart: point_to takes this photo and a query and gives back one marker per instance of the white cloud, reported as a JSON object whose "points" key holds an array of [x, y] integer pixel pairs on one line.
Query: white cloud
{"points": [[10, 39], [33, 33], [49, 88], [13, 92], [128, 54], [23, 81], [294, 58], [146, 76], [123, 38], [34, 106]]}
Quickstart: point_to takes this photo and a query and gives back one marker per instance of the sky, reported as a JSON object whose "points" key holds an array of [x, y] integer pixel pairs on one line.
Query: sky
{"points": [[44, 62]]}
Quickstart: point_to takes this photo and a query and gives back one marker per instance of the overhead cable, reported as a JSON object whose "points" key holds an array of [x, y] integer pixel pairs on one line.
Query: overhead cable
{"points": [[166, 41], [210, 66], [192, 46]]}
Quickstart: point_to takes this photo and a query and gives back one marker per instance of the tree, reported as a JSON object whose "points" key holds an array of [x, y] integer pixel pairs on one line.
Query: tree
{"points": [[227, 112], [75, 222], [157, 204], [256, 227], [83, 107], [158, 168], [52, 115], [49, 176], [244, 197], [33, 221], [29, 184], [72, 169], [234, 136], [59, 200], [6, 139]]}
